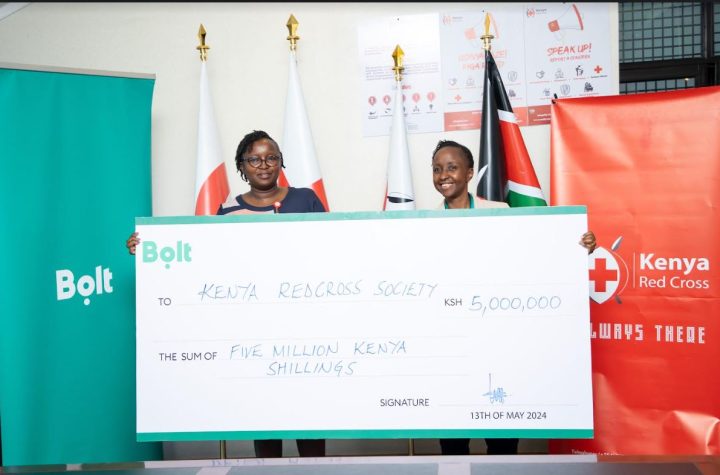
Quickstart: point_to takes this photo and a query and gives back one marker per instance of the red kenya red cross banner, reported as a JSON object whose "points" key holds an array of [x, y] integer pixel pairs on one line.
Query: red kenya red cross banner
{"points": [[648, 168]]}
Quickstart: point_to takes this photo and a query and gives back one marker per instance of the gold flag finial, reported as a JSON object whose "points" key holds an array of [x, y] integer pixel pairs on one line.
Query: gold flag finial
{"points": [[292, 26], [202, 47], [487, 37], [397, 56]]}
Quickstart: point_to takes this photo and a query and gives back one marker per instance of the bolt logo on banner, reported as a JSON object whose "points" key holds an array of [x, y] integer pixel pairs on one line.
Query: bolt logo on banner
{"points": [[608, 273], [180, 252], [86, 285]]}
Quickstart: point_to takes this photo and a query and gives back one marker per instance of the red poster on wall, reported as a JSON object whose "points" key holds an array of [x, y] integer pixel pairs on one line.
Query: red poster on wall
{"points": [[648, 168]]}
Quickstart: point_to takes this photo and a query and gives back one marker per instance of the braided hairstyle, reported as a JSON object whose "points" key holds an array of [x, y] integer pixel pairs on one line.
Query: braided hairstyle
{"points": [[246, 143]]}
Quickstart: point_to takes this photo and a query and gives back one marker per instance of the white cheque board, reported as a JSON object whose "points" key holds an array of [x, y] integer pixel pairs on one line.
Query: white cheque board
{"points": [[465, 323]]}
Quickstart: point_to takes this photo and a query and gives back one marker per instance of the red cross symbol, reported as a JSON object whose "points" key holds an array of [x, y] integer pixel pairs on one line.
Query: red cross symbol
{"points": [[597, 69], [458, 97], [601, 275]]}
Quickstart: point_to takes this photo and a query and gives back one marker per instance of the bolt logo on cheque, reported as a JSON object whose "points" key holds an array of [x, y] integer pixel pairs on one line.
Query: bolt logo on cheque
{"points": [[179, 252]]}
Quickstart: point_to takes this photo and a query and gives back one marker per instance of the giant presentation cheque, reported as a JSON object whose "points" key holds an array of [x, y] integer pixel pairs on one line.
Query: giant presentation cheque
{"points": [[467, 323]]}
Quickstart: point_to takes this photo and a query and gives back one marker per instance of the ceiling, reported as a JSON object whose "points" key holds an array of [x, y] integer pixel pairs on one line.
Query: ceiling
{"points": [[7, 9]]}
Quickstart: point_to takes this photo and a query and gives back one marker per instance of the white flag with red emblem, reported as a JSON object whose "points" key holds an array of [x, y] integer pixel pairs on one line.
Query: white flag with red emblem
{"points": [[301, 166], [399, 194], [211, 182]]}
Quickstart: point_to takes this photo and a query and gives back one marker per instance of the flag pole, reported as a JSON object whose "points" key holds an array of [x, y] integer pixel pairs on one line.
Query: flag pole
{"points": [[399, 193], [487, 37], [397, 57], [203, 48], [211, 183], [505, 171], [292, 26], [300, 166]]}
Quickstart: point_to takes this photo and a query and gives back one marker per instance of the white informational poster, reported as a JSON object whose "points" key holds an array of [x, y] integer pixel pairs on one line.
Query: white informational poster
{"points": [[462, 323], [567, 51], [541, 49], [464, 63], [418, 37]]}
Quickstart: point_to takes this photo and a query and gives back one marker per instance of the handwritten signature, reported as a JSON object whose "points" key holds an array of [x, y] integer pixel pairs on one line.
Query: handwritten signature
{"points": [[495, 394]]}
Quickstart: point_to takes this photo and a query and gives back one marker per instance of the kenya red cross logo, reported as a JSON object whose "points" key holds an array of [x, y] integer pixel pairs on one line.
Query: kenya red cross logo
{"points": [[608, 273], [598, 69], [602, 274]]}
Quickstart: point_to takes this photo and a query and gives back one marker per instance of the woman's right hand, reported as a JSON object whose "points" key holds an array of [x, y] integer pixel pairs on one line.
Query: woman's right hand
{"points": [[588, 241], [132, 242]]}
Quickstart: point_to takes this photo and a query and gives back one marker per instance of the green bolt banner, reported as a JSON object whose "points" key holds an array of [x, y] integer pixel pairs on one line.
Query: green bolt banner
{"points": [[75, 155]]}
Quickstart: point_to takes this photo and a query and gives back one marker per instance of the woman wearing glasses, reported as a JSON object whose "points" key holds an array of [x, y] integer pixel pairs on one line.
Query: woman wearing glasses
{"points": [[258, 159]]}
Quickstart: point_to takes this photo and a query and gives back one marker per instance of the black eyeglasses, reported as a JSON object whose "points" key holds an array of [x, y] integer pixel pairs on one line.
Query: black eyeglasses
{"points": [[255, 162]]}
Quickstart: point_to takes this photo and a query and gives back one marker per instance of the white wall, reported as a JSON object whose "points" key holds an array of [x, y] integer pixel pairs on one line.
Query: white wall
{"points": [[248, 77], [248, 73]]}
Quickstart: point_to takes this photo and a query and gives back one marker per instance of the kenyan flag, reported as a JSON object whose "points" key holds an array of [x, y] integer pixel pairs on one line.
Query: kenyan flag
{"points": [[504, 167]]}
